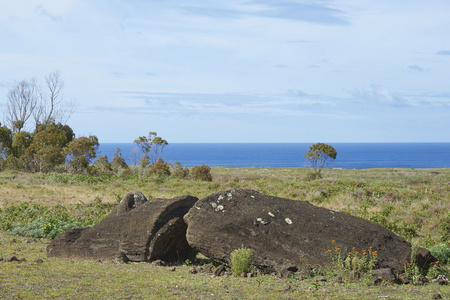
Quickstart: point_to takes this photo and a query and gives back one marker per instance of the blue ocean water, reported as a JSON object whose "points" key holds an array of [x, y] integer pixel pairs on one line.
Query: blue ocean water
{"points": [[291, 155]]}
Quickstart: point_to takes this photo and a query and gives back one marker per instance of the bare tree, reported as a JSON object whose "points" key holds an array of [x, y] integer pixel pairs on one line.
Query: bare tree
{"points": [[22, 101], [28, 99], [50, 107]]}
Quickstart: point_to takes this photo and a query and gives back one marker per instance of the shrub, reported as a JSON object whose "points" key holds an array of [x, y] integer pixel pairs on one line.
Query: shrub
{"points": [[241, 260], [160, 168], [179, 172], [101, 166], [43, 228], [202, 172], [118, 162], [312, 176], [445, 226], [442, 252]]}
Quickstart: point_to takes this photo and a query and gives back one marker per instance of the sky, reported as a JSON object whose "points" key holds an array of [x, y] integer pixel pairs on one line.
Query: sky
{"points": [[238, 70]]}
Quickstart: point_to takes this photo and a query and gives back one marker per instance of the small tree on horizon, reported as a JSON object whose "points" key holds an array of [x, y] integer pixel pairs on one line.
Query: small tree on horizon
{"points": [[152, 148], [318, 156]]}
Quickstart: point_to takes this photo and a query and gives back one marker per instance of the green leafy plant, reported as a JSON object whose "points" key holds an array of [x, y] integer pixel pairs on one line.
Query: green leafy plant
{"points": [[43, 228], [241, 260], [436, 269], [442, 252], [37, 220]]}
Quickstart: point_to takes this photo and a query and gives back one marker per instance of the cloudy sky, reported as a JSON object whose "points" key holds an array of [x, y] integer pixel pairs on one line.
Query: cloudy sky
{"points": [[239, 70]]}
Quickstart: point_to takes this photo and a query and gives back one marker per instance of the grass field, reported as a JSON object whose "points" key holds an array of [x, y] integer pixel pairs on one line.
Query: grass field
{"points": [[413, 203]]}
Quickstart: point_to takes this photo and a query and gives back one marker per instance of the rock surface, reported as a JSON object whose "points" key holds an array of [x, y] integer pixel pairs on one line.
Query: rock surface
{"points": [[136, 230], [286, 233]]}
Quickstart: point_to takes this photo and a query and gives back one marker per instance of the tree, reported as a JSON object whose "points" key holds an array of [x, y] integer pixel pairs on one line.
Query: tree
{"points": [[81, 151], [28, 98], [49, 142], [21, 103], [41, 150], [50, 106], [152, 148], [318, 156], [44, 148], [118, 161], [160, 168], [5, 141]]}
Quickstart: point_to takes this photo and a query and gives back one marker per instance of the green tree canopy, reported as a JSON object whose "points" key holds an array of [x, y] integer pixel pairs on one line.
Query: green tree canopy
{"points": [[318, 156], [152, 147], [49, 142], [81, 151]]}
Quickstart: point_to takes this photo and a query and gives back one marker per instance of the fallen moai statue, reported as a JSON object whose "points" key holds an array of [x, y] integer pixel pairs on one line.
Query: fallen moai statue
{"points": [[136, 230], [286, 234]]}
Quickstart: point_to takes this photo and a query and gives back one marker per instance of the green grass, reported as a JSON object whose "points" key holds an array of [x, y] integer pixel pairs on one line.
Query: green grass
{"points": [[82, 279], [413, 203]]}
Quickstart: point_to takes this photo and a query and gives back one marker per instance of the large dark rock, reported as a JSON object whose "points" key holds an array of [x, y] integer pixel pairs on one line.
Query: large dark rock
{"points": [[136, 230], [286, 233]]}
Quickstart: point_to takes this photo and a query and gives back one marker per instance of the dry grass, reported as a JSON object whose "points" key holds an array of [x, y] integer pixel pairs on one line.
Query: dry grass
{"points": [[404, 196]]}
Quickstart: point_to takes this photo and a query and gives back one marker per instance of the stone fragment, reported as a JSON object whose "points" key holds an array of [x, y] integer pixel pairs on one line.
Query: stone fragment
{"points": [[38, 260], [11, 258], [220, 269], [384, 274]]}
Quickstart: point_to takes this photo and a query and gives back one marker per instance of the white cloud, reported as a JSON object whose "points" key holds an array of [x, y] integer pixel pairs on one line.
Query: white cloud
{"points": [[382, 95]]}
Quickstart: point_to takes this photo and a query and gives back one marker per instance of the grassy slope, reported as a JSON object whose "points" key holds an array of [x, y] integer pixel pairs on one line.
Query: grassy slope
{"points": [[405, 197]]}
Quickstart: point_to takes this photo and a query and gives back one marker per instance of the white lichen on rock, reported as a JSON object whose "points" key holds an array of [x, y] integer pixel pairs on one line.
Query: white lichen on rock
{"points": [[220, 198], [288, 221], [230, 195], [219, 208], [214, 205], [271, 214], [259, 219]]}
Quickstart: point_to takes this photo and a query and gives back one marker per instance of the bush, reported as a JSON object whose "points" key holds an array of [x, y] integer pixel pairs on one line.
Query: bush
{"points": [[442, 252], [179, 172], [241, 260], [43, 228], [202, 172], [312, 176], [160, 168]]}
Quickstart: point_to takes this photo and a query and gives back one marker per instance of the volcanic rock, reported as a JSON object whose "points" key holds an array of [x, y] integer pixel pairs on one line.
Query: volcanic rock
{"points": [[285, 233], [136, 230]]}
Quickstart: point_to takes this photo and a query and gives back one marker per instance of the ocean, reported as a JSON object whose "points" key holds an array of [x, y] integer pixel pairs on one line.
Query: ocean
{"points": [[291, 155]]}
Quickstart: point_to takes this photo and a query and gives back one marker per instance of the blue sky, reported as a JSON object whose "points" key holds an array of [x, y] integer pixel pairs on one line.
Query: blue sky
{"points": [[239, 70]]}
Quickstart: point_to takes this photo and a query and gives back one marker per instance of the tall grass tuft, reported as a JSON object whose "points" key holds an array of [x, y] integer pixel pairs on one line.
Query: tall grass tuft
{"points": [[241, 260]]}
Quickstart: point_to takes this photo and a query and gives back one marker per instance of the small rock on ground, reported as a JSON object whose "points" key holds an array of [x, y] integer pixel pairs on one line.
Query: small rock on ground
{"points": [[11, 258]]}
